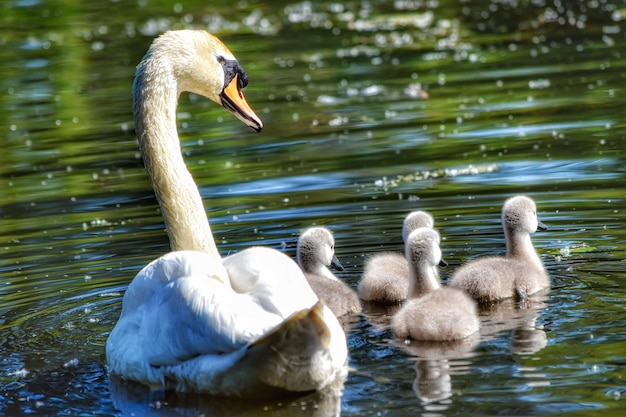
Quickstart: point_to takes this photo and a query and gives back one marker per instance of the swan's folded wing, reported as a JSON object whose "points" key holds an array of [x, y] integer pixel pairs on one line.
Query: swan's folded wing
{"points": [[271, 278], [194, 316], [183, 304], [169, 268]]}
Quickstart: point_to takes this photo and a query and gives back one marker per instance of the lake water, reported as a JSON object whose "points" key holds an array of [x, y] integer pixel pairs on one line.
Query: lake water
{"points": [[372, 109]]}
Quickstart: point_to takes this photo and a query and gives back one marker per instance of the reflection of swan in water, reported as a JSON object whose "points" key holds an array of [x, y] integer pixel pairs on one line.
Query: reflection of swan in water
{"points": [[519, 318], [134, 399], [249, 325]]}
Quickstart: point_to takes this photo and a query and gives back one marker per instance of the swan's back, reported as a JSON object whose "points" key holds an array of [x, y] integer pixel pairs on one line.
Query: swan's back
{"points": [[271, 278], [169, 316]]}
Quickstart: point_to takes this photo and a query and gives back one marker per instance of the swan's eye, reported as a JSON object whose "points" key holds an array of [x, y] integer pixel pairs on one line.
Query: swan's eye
{"points": [[243, 79], [241, 85], [233, 69]]}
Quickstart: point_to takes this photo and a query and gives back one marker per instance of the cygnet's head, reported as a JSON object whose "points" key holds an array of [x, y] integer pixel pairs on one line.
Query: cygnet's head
{"points": [[316, 246], [519, 214], [422, 248], [414, 220]]}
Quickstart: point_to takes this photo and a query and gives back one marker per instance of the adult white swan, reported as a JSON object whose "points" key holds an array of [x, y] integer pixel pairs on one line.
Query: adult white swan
{"points": [[248, 325]]}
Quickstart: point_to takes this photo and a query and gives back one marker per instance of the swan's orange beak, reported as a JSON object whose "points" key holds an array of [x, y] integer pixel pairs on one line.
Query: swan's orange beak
{"points": [[234, 101]]}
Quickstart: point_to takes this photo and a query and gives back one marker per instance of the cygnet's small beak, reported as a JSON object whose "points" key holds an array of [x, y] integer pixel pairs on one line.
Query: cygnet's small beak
{"points": [[336, 264], [541, 225], [234, 101]]}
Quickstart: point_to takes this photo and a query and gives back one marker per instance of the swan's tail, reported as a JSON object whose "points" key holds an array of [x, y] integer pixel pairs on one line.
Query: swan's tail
{"points": [[307, 352], [308, 323], [298, 355]]}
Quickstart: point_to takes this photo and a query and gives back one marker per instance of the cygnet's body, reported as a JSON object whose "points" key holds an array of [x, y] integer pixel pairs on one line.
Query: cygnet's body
{"points": [[519, 273], [316, 252], [431, 312], [385, 277]]}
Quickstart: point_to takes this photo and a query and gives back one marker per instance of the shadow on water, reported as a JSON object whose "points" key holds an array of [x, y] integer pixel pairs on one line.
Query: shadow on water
{"points": [[135, 399]]}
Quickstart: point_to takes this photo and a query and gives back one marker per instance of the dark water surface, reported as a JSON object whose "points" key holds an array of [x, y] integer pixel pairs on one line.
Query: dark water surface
{"points": [[372, 109]]}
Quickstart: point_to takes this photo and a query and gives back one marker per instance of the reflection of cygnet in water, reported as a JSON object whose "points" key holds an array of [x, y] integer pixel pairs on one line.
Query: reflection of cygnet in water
{"points": [[528, 339], [432, 382], [451, 349], [436, 364], [520, 319]]}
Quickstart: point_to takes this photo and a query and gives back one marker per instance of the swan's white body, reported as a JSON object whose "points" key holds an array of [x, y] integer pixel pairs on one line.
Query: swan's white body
{"points": [[248, 325]]}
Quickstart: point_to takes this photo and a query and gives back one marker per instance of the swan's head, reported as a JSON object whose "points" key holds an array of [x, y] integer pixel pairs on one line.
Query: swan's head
{"points": [[316, 247], [519, 214], [203, 65]]}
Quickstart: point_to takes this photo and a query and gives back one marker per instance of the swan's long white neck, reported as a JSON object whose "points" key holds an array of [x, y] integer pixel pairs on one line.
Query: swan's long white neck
{"points": [[155, 99]]}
